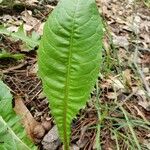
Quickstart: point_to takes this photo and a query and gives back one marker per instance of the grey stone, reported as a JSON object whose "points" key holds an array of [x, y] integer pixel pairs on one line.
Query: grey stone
{"points": [[51, 140]]}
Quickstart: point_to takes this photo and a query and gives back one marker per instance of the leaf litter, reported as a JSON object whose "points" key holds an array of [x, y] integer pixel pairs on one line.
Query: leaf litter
{"points": [[128, 27]]}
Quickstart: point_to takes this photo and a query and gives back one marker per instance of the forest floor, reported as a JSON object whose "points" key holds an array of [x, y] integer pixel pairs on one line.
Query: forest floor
{"points": [[118, 115]]}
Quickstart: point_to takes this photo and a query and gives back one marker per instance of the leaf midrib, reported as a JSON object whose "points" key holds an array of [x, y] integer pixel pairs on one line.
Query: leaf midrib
{"points": [[14, 136], [68, 77]]}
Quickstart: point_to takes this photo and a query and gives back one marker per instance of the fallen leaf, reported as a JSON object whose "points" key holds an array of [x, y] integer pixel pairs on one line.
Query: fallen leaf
{"points": [[12, 29], [127, 78], [148, 135], [33, 128], [136, 24], [117, 84], [147, 144], [34, 69], [30, 22], [139, 113], [111, 95], [145, 104]]}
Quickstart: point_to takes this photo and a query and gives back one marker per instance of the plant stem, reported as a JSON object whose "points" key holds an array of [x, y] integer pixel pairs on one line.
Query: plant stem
{"points": [[66, 146]]}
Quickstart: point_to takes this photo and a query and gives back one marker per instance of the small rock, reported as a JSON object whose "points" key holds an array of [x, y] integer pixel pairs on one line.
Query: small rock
{"points": [[51, 140]]}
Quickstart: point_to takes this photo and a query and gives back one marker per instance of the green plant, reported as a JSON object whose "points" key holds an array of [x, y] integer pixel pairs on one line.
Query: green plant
{"points": [[6, 2], [69, 59], [31, 41], [5, 55], [147, 3], [12, 135]]}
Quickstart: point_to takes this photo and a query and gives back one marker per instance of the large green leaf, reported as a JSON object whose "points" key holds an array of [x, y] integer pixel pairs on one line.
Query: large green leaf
{"points": [[69, 59], [12, 134]]}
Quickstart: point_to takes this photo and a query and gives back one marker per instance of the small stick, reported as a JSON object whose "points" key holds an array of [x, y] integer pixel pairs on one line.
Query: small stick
{"points": [[14, 68]]}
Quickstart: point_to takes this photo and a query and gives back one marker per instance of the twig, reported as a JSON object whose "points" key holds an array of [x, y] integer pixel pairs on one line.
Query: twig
{"points": [[14, 68], [11, 78], [34, 87], [36, 94]]}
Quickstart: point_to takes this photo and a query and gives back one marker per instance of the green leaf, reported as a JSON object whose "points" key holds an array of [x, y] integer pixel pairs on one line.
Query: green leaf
{"points": [[13, 56], [69, 59], [6, 2], [12, 134], [147, 3], [5, 101], [20, 34]]}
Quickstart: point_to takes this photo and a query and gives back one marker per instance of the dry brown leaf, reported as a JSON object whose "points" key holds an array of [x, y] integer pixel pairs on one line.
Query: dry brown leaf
{"points": [[34, 69], [111, 95], [147, 143], [148, 135], [12, 29], [40, 28], [33, 128], [127, 78], [146, 59], [139, 113], [30, 22], [145, 104], [117, 84]]}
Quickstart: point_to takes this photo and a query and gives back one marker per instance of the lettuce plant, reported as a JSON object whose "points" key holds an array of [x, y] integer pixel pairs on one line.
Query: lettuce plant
{"points": [[69, 59]]}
